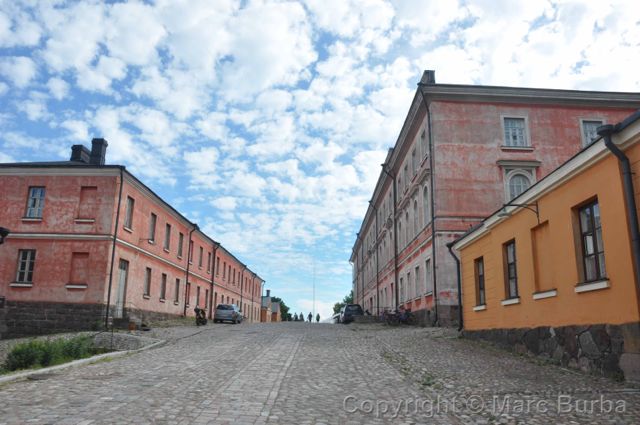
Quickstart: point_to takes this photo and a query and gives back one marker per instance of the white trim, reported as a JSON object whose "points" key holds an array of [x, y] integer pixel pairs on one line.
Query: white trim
{"points": [[592, 286], [31, 219], [76, 286], [581, 124], [84, 220], [545, 294], [63, 236], [511, 301], [480, 307], [61, 170], [527, 133], [21, 284]]}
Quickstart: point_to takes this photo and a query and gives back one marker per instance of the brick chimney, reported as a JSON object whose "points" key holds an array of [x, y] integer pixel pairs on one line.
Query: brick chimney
{"points": [[80, 154], [428, 77], [98, 151], [268, 292]]}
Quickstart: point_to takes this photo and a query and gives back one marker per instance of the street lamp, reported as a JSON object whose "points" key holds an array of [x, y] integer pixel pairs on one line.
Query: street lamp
{"points": [[533, 207], [4, 232]]}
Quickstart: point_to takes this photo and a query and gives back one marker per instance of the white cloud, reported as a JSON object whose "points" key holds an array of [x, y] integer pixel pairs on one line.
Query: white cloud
{"points": [[225, 203], [58, 88], [20, 70], [78, 129], [201, 166]]}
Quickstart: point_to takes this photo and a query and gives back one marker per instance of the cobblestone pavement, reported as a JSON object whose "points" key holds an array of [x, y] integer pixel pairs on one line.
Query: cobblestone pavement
{"points": [[308, 373]]}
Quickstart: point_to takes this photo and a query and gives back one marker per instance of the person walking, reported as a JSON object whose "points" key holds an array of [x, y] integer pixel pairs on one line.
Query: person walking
{"points": [[310, 317], [318, 318]]}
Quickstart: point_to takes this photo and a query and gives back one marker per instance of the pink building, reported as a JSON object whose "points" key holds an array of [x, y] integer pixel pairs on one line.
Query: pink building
{"points": [[90, 243], [463, 151]]}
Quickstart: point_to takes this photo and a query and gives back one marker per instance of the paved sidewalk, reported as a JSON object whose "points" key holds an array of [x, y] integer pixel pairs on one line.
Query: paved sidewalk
{"points": [[298, 373]]}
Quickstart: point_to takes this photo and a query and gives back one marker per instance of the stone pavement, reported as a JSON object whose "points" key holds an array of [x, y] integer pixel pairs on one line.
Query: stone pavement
{"points": [[302, 373]]}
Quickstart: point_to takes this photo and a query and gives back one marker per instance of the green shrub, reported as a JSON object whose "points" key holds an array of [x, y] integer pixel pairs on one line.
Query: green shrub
{"points": [[47, 353]]}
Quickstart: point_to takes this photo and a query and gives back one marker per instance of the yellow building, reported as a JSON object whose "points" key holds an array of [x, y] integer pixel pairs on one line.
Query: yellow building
{"points": [[553, 271]]}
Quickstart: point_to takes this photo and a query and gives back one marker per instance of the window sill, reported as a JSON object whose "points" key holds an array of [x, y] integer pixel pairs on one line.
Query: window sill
{"points": [[179, 257], [84, 220], [517, 148], [146, 297], [592, 286], [76, 286], [127, 229], [21, 284], [480, 307], [151, 241], [176, 303], [545, 294], [166, 250], [32, 219], [162, 300], [428, 294], [511, 301]]}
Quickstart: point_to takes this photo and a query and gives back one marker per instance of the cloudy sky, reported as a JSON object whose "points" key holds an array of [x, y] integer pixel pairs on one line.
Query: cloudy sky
{"points": [[266, 121]]}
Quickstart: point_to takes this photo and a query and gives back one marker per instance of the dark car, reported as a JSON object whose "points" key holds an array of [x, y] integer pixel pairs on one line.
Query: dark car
{"points": [[228, 313], [349, 312]]}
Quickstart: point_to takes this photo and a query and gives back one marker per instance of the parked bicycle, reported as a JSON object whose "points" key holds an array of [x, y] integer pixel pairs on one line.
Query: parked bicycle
{"points": [[397, 317]]}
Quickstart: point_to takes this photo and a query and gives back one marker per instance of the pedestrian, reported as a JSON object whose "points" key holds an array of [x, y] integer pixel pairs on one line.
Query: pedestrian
{"points": [[318, 318], [310, 317]]}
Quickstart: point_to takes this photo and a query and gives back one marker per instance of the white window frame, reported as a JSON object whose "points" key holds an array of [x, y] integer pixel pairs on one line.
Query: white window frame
{"points": [[511, 175], [28, 257], [583, 137], [510, 168], [35, 204], [527, 134]]}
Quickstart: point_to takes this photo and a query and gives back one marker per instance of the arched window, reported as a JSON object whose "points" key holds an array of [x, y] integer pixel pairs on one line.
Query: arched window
{"points": [[425, 203], [518, 183], [415, 216]]}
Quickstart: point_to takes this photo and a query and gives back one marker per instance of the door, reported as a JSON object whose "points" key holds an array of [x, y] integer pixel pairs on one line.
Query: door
{"points": [[122, 288]]}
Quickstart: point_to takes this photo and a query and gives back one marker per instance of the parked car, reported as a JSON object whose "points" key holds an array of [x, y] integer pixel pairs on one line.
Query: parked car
{"points": [[349, 311], [227, 313]]}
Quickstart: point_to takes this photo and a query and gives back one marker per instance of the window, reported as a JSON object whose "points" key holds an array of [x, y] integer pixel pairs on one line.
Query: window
{"points": [[425, 203], [511, 275], [224, 269], [128, 215], [147, 282], [401, 290], [427, 275], [416, 215], [201, 253], [592, 247], [79, 268], [479, 272], [518, 183], [208, 262], [35, 203], [424, 144], [180, 244], [191, 252], [197, 296], [88, 206], [206, 299], [417, 282], [406, 227], [163, 286], [515, 134], [152, 227], [176, 292], [26, 263], [414, 162], [217, 265], [589, 131], [188, 294], [167, 236], [406, 176]]}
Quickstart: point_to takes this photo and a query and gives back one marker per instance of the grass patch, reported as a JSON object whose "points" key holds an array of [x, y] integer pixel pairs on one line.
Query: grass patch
{"points": [[43, 353]]}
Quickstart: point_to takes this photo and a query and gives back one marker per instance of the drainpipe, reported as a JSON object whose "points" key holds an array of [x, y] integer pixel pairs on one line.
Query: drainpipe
{"points": [[261, 289], [377, 267], [216, 245], [455, 257], [189, 258], [242, 286], [395, 233], [253, 292], [627, 182], [113, 250], [431, 80]]}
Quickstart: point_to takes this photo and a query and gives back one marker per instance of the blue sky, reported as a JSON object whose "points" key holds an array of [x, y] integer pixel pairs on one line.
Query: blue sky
{"points": [[266, 121]]}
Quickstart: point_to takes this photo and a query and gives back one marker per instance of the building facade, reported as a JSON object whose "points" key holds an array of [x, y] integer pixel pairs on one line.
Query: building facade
{"points": [[556, 276], [89, 243], [463, 152]]}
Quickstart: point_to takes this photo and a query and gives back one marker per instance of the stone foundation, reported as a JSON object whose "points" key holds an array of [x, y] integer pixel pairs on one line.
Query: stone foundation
{"points": [[140, 317], [607, 350]]}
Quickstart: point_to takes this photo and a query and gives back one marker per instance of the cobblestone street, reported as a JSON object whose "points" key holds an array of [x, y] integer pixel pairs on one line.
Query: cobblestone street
{"points": [[301, 373]]}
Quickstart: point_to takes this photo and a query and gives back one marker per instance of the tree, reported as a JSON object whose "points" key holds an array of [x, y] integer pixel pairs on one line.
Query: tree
{"points": [[285, 316], [348, 299]]}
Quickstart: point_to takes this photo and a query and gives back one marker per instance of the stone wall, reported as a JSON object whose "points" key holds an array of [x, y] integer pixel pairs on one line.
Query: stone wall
{"points": [[607, 350], [22, 318]]}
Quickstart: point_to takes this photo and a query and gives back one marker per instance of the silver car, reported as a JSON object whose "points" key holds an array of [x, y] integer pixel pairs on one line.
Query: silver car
{"points": [[228, 313]]}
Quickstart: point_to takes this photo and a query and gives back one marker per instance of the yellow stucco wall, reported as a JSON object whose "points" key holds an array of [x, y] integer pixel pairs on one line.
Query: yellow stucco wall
{"points": [[616, 304]]}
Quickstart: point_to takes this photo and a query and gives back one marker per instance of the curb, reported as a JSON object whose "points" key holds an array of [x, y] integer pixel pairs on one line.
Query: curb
{"points": [[22, 375]]}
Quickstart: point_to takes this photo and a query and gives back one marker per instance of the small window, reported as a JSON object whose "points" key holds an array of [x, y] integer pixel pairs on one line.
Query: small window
{"points": [[35, 203], [425, 205], [510, 271], [417, 281], [589, 131], [518, 183], [88, 206], [416, 216], [217, 265], [197, 296], [224, 270], [424, 144], [414, 162], [180, 244], [163, 286], [26, 264], [592, 246], [200, 255], [191, 252], [188, 294], [152, 227], [176, 292], [167, 236], [147, 282], [427, 276], [128, 216], [515, 134], [479, 272], [208, 262]]}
